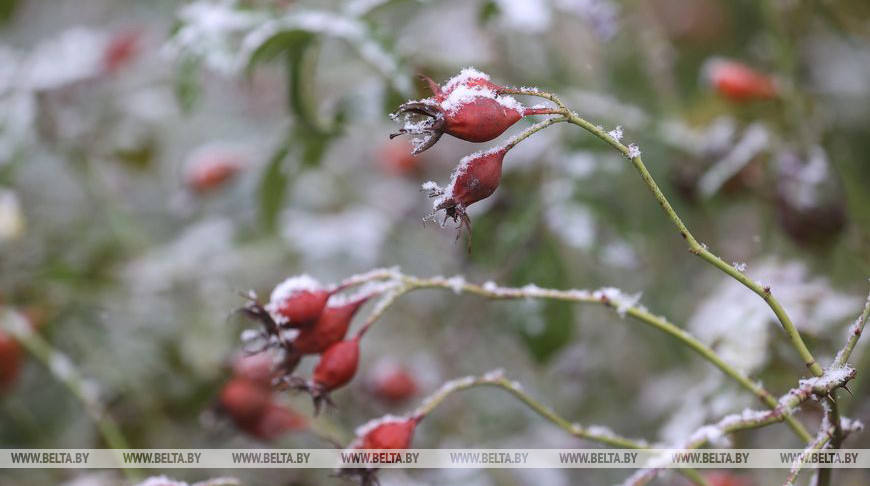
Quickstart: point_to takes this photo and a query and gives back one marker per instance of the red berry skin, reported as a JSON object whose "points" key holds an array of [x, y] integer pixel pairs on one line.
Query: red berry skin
{"points": [[476, 181], [244, 401], [11, 356], [394, 385], [719, 478], [740, 83], [210, 171], [480, 120], [330, 328], [390, 435], [395, 158], [255, 368], [275, 421], [303, 308], [337, 365], [121, 50]]}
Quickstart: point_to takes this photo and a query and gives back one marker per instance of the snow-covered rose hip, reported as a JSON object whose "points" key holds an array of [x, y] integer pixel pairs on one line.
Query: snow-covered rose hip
{"points": [[298, 301], [388, 432], [468, 107], [475, 178], [738, 82]]}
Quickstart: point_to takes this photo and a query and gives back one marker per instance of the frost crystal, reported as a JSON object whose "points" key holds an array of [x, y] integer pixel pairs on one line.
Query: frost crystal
{"points": [[371, 425], [832, 377], [633, 151], [431, 186], [286, 290], [464, 76], [740, 266], [456, 283], [616, 133]]}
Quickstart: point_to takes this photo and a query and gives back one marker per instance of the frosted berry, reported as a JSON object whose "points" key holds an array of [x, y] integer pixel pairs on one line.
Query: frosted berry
{"points": [[298, 301], [468, 107], [475, 178], [387, 432], [738, 82]]}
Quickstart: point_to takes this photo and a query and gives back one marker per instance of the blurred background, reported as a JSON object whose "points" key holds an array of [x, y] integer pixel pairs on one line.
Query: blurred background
{"points": [[158, 158]]}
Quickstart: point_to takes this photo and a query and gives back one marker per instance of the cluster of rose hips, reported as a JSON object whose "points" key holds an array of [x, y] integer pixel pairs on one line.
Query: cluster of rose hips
{"points": [[248, 399], [304, 318], [472, 108]]}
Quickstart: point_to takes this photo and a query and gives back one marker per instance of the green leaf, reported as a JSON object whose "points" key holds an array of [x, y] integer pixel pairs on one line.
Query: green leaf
{"points": [[545, 267], [7, 9], [187, 89], [488, 10], [273, 186]]}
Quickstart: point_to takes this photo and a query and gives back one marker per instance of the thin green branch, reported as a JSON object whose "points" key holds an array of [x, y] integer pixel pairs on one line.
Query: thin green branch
{"points": [[695, 247], [855, 332], [612, 298], [66, 373], [751, 419], [496, 379]]}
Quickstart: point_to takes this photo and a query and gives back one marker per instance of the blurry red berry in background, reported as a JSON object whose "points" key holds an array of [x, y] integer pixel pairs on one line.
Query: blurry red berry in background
{"points": [[122, 49], [211, 167], [738, 82], [275, 421], [393, 383], [720, 478], [252, 408], [11, 356], [244, 401], [395, 158], [255, 368]]}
